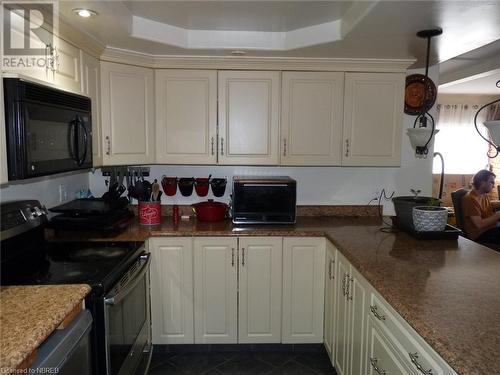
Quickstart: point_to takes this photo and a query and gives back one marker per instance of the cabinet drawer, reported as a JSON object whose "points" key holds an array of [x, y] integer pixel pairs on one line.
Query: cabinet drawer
{"points": [[417, 354], [382, 357]]}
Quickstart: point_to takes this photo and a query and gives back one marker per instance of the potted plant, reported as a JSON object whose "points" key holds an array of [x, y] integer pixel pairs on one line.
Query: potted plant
{"points": [[403, 205], [430, 218]]}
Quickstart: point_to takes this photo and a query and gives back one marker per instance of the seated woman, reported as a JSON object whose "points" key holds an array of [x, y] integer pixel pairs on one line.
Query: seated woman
{"points": [[481, 222]]}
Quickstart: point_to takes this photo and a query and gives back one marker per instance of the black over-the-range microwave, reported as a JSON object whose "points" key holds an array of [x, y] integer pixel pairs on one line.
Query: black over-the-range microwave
{"points": [[48, 130], [264, 200]]}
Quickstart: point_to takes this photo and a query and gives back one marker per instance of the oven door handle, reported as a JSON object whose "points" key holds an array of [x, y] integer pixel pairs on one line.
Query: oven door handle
{"points": [[127, 288]]}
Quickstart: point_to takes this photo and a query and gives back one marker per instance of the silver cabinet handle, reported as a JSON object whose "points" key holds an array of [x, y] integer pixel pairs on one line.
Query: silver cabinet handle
{"points": [[349, 281], [56, 60], [414, 360], [232, 256], [284, 146], [108, 145], [332, 262], [344, 281], [243, 257], [346, 147], [329, 270], [379, 371], [374, 310], [212, 145], [47, 46], [222, 146]]}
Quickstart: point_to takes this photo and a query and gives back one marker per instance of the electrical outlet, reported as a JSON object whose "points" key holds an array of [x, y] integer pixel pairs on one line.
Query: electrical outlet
{"points": [[63, 193]]}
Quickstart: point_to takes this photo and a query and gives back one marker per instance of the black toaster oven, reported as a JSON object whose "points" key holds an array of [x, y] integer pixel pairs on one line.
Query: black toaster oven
{"points": [[264, 200]]}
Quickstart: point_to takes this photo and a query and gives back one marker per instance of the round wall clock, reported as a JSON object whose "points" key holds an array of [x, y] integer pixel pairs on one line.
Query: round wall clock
{"points": [[420, 94]]}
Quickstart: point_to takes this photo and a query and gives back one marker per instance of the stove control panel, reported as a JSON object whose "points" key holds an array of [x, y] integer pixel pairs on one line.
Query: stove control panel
{"points": [[20, 216]]}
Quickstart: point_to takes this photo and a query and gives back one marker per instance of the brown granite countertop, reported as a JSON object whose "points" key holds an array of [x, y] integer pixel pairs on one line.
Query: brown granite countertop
{"points": [[29, 314], [447, 290]]}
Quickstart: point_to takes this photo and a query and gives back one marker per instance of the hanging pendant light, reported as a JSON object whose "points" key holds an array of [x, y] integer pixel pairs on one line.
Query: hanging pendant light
{"points": [[493, 128], [420, 96]]}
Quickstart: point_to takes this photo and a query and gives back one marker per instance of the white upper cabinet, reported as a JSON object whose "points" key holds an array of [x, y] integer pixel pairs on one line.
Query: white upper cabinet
{"points": [[186, 116], [4, 175], [249, 117], [373, 119], [128, 124], [311, 118], [38, 72], [67, 72], [91, 87]]}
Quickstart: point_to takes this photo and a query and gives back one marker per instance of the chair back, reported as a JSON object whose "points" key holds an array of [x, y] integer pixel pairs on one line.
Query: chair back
{"points": [[456, 198]]}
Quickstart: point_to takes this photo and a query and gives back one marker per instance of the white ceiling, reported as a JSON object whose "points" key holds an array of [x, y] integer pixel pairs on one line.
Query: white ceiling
{"points": [[268, 16], [482, 84], [351, 29]]}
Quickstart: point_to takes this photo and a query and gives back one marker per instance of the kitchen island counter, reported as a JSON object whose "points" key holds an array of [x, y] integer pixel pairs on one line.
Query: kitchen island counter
{"points": [[447, 290], [29, 314]]}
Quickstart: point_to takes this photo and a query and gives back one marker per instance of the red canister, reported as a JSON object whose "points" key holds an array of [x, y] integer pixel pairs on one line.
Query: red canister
{"points": [[175, 214], [149, 213]]}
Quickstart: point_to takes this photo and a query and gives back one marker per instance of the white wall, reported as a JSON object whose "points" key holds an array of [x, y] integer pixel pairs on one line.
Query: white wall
{"points": [[45, 189], [317, 185]]}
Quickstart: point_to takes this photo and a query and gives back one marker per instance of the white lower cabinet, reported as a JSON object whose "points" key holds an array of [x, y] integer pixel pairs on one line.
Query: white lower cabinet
{"points": [[260, 272], [413, 352], [369, 337], [382, 357], [237, 290], [330, 281], [215, 285], [303, 289], [172, 290], [350, 319]]}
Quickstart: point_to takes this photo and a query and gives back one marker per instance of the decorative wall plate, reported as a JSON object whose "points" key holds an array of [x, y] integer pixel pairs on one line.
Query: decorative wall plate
{"points": [[420, 94]]}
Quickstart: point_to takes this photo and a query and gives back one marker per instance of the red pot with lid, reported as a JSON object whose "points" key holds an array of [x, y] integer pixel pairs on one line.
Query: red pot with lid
{"points": [[210, 210]]}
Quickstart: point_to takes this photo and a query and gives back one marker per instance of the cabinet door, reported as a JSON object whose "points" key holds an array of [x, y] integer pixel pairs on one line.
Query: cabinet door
{"points": [[303, 289], [373, 119], [186, 116], [127, 114], [341, 334], [4, 175], [91, 87], [248, 117], [259, 308], [330, 281], [382, 358], [215, 286], [67, 74], [172, 290], [40, 70], [311, 118], [358, 306]]}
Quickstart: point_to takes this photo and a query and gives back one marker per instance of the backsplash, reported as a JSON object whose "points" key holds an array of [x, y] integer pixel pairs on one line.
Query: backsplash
{"points": [[45, 189]]}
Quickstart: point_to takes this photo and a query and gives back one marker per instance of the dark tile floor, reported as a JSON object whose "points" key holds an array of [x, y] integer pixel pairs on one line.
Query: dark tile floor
{"points": [[277, 360]]}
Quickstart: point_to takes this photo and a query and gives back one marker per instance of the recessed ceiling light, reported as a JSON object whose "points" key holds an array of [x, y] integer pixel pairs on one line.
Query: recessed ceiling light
{"points": [[85, 13], [238, 53]]}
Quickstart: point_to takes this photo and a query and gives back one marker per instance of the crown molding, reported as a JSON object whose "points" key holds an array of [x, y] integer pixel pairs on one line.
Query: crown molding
{"points": [[116, 55], [80, 39]]}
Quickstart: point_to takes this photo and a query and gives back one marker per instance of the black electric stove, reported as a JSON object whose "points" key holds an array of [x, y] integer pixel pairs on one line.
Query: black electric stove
{"points": [[108, 267]]}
